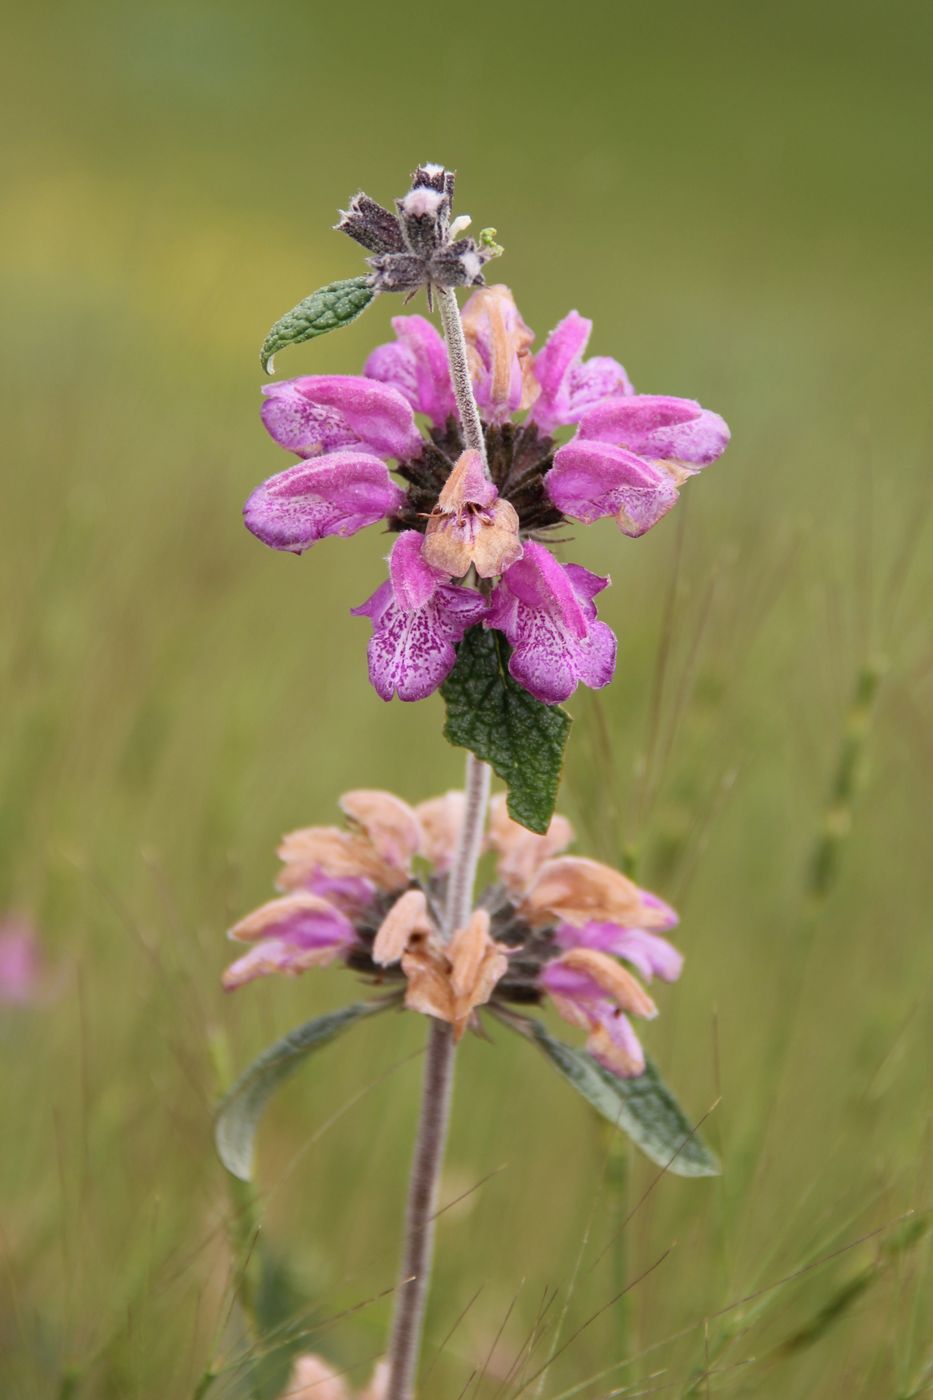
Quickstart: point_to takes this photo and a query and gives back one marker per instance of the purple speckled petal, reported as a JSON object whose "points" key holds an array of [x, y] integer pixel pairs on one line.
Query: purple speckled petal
{"points": [[570, 386], [324, 411], [658, 427], [302, 426], [416, 365], [546, 612], [590, 480], [417, 616], [650, 954], [333, 495], [414, 581]]}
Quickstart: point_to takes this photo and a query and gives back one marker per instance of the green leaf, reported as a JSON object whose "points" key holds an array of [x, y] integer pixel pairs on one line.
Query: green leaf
{"points": [[240, 1110], [644, 1108], [493, 716], [325, 310]]}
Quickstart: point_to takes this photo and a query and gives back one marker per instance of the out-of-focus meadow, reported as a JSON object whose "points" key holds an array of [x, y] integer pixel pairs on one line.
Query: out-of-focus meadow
{"points": [[736, 194]]}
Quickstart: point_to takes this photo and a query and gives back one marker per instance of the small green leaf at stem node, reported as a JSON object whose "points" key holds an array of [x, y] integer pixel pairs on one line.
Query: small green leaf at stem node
{"points": [[325, 310]]}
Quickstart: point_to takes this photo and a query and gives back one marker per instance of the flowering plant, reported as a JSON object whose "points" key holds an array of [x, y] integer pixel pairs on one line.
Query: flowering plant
{"points": [[428, 440]]}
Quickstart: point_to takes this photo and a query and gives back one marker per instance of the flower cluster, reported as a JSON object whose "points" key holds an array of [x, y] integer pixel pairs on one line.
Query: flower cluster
{"points": [[460, 522], [552, 926]]}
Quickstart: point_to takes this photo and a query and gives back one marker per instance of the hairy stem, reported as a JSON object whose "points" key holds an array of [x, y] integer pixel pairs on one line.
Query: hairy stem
{"points": [[435, 1113], [473, 435], [466, 858], [418, 1249], [419, 1221]]}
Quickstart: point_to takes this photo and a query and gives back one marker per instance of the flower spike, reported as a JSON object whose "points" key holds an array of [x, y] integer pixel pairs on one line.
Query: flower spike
{"points": [[549, 925]]}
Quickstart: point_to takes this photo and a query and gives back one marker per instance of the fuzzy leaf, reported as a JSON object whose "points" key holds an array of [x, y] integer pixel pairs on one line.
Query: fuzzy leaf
{"points": [[492, 715], [325, 310], [241, 1108], [644, 1107]]}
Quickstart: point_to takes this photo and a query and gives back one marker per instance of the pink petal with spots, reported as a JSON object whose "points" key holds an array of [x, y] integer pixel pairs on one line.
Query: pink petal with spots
{"points": [[417, 617], [333, 495], [546, 612], [658, 427], [321, 412], [590, 480]]}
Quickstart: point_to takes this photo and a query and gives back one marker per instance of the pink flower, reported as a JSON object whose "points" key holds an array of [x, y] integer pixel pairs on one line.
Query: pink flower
{"points": [[417, 616], [549, 925], [20, 963], [631, 456], [334, 495], [598, 996], [499, 344], [547, 613], [324, 412], [415, 365], [628, 459], [290, 935], [649, 953], [470, 525], [570, 384]]}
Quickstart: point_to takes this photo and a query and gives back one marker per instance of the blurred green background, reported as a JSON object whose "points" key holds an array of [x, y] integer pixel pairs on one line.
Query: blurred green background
{"points": [[739, 196]]}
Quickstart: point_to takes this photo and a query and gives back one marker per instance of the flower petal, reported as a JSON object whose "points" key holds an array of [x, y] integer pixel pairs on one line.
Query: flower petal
{"points": [[301, 919], [323, 411], [408, 915], [582, 1001], [651, 954], [577, 890], [414, 580], [470, 525], [659, 426], [570, 386], [416, 366], [500, 356], [411, 652], [275, 955], [613, 980], [593, 479], [313, 851], [416, 619], [476, 965], [546, 612], [441, 820], [338, 494], [389, 824], [521, 852], [616, 1046]]}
